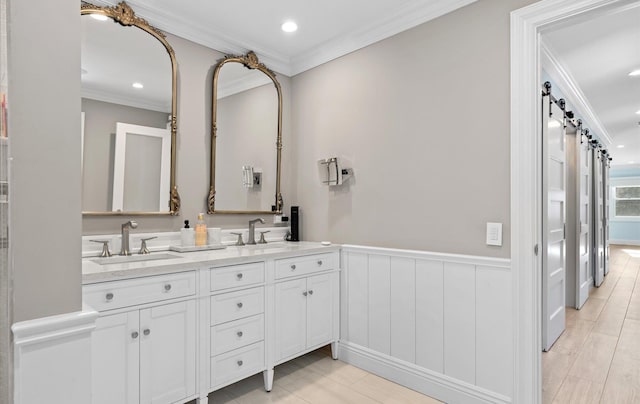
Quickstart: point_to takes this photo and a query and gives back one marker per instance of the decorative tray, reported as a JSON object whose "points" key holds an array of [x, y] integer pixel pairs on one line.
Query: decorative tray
{"points": [[179, 248]]}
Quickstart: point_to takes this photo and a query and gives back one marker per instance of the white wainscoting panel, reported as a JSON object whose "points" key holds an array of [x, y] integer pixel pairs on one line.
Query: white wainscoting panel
{"points": [[437, 323], [380, 303], [357, 327], [459, 321], [52, 359], [403, 308], [430, 315], [494, 357]]}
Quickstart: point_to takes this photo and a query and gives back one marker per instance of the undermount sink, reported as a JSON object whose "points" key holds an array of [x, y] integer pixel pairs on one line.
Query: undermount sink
{"points": [[263, 246], [134, 258]]}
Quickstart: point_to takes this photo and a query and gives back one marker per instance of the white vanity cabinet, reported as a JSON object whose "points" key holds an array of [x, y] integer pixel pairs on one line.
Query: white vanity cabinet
{"points": [[144, 344], [305, 304]]}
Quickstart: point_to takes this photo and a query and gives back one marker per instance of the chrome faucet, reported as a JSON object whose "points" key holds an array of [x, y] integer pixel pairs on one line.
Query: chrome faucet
{"points": [[252, 230], [131, 224]]}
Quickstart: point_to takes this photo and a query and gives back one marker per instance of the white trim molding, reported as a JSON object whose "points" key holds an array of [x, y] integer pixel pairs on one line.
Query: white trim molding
{"points": [[572, 92], [437, 323], [411, 14], [625, 242], [52, 358], [526, 26]]}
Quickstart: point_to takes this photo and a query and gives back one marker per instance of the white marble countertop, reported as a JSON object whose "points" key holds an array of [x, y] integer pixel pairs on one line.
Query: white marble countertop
{"points": [[93, 272]]}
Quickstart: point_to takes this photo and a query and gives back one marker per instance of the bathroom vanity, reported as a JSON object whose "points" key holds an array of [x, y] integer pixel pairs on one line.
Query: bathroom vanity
{"points": [[176, 328]]}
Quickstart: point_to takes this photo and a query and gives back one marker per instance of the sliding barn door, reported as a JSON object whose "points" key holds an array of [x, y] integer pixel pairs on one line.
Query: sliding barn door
{"points": [[605, 214], [553, 222], [598, 229], [584, 278]]}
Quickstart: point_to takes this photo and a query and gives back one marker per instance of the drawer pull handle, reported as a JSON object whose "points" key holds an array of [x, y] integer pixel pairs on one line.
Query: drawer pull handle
{"points": [[240, 305], [293, 267], [304, 293], [240, 334], [319, 262], [109, 296], [146, 331], [311, 292], [239, 276], [134, 335], [167, 287], [240, 363]]}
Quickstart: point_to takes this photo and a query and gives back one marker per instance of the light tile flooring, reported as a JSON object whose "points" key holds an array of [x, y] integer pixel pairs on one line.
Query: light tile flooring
{"points": [[316, 378], [597, 358]]}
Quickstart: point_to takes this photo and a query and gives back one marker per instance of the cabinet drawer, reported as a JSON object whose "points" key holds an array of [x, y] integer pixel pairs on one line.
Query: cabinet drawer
{"points": [[304, 265], [131, 292], [235, 305], [238, 364], [237, 275], [236, 334]]}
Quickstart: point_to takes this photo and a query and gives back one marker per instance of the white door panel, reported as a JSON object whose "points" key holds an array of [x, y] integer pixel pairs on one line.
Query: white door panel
{"points": [[553, 223], [598, 230], [584, 278]]}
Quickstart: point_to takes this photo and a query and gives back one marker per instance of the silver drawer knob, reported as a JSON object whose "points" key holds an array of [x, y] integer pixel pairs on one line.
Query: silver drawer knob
{"points": [[167, 287], [239, 276], [311, 292], [109, 296], [134, 334], [319, 262], [240, 363], [146, 331], [240, 334], [293, 267], [240, 305], [304, 293]]}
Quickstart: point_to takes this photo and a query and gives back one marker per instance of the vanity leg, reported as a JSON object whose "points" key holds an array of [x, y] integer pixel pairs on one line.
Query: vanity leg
{"points": [[334, 350], [268, 379], [202, 400]]}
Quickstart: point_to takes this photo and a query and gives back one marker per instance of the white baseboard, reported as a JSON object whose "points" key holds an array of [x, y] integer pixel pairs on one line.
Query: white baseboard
{"points": [[52, 358], [433, 384], [625, 242]]}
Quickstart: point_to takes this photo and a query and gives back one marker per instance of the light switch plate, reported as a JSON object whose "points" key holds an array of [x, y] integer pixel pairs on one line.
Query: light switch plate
{"points": [[494, 234]]}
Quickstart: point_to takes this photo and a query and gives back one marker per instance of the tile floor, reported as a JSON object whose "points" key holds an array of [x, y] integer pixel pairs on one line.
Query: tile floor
{"points": [[597, 358], [316, 378]]}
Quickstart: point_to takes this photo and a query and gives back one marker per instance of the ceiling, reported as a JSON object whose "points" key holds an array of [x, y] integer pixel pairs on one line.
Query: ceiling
{"points": [[327, 29], [597, 56]]}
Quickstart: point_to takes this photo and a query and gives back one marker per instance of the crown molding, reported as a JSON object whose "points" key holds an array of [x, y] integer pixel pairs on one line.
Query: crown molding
{"points": [[404, 18], [568, 86], [115, 98], [409, 16], [240, 84]]}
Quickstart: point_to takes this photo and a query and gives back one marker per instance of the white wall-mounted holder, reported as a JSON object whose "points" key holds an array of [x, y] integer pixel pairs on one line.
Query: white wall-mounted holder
{"points": [[251, 177], [333, 172]]}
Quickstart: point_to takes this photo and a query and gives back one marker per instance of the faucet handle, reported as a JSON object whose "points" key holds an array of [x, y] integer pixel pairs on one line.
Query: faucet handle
{"points": [[262, 239], [105, 247], [143, 245], [239, 241]]}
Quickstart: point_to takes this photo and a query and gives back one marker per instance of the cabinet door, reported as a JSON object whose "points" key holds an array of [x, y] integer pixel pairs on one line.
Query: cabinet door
{"points": [[320, 309], [114, 359], [291, 312], [168, 352]]}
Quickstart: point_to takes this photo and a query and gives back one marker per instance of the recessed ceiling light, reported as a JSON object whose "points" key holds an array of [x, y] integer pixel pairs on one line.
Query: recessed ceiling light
{"points": [[100, 17], [620, 146], [137, 85], [630, 162], [635, 73], [289, 26], [638, 112]]}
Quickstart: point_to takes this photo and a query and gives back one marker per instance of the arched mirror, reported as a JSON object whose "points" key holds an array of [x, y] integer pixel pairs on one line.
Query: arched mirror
{"points": [[246, 138], [128, 77]]}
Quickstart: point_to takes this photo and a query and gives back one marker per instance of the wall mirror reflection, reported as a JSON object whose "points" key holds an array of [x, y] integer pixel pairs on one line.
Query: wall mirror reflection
{"points": [[128, 76], [246, 138]]}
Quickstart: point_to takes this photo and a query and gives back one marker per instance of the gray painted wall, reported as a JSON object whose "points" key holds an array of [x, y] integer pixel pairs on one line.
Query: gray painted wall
{"points": [[424, 118], [195, 73], [99, 147], [44, 130]]}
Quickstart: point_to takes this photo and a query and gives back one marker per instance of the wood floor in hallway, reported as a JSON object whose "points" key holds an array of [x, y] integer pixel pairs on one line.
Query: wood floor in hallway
{"points": [[597, 358]]}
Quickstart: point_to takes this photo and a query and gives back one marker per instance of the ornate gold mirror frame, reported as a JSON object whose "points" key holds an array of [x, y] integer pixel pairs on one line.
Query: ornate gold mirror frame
{"points": [[124, 15], [250, 61]]}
